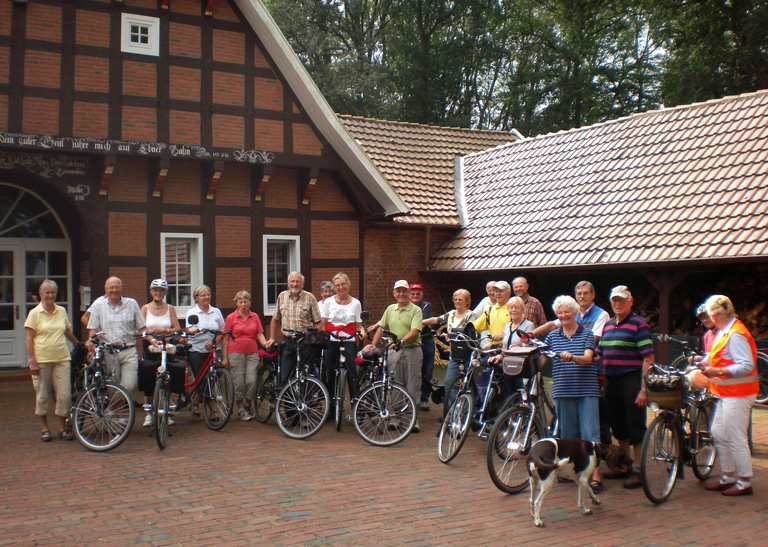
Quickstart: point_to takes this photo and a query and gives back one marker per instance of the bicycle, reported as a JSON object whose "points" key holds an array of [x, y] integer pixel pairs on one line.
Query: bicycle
{"points": [[524, 423], [267, 386], [303, 404], [384, 413], [218, 391], [340, 378], [474, 407], [103, 415], [680, 433]]}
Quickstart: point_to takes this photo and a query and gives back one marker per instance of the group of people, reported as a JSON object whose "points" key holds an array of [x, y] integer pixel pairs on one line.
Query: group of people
{"points": [[598, 371]]}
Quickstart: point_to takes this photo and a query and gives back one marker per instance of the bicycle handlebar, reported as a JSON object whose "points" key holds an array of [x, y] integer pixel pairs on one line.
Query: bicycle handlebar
{"points": [[543, 347]]}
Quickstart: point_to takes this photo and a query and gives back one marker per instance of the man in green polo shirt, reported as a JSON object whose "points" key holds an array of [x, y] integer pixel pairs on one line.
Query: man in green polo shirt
{"points": [[404, 320]]}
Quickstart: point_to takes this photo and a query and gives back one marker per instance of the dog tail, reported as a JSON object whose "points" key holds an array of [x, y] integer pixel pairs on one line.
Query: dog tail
{"points": [[541, 464]]}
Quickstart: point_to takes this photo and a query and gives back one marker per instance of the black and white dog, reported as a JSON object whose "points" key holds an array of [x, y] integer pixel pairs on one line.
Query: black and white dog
{"points": [[572, 459]]}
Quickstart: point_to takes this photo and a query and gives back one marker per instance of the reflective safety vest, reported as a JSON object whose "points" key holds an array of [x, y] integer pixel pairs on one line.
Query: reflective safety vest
{"points": [[722, 386]]}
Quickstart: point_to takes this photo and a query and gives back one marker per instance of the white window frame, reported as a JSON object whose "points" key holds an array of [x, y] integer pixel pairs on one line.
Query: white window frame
{"points": [[294, 261], [195, 262], [152, 48]]}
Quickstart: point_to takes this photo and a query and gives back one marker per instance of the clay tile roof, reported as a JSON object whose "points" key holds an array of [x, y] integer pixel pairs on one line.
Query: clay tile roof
{"points": [[418, 161], [684, 183]]}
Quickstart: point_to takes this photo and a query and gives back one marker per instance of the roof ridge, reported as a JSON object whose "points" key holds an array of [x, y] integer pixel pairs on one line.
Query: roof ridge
{"points": [[424, 125]]}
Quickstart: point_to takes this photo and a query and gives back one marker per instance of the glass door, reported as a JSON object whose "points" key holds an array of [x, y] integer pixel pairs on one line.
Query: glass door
{"points": [[11, 301]]}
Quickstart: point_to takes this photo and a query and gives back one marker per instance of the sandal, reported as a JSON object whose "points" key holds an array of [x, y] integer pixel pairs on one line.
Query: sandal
{"points": [[65, 436], [45, 437], [196, 410], [596, 486]]}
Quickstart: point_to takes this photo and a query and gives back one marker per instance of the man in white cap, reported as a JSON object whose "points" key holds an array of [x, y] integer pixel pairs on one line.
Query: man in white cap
{"points": [[404, 320], [495, 317], [626, 350]]}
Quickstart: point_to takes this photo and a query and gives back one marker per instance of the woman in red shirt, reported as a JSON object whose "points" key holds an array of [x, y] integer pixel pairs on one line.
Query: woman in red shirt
{"points": [[240, 353]]}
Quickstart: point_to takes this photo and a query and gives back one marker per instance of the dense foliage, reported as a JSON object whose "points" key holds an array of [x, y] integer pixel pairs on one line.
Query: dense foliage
{"points": [[533, 65]]}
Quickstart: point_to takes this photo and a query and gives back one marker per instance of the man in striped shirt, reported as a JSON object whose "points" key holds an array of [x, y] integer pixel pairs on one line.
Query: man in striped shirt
{"points": [[626, 350]]}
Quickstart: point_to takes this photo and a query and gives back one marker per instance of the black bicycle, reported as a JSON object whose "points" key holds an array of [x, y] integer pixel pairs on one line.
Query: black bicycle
{"points": [[103, 415], [340, 378]]}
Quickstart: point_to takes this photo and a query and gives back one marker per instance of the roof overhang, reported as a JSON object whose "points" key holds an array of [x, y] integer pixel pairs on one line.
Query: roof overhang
{"points": [[318, 109]]}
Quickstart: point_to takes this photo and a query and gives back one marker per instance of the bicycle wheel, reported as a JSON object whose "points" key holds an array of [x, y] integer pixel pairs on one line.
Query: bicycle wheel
{"points": [[103, 416], [341, 386], [264, 406], [660, 459], [302, 407], [451, 392], [383, 415], [455, 427], [703, 452], [218, 398], [762, 374], [161, 409], [510, 440]]}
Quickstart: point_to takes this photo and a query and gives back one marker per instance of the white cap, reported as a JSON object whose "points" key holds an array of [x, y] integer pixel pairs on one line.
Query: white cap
{"points": [[620, 291], [402, 284]]}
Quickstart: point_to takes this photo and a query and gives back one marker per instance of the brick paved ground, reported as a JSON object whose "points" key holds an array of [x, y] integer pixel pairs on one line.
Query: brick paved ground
{"points": [[251, 485]]}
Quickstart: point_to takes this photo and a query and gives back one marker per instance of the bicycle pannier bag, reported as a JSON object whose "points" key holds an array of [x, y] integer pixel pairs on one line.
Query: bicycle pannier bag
{"points": [[461, 349], [317, 338], [665, 390], [148, 375], [521, 361]]}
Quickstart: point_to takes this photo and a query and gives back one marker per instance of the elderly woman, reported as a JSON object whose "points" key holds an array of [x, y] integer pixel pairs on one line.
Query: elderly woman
{"points": [[326, 291], [161, 319], [510, 338], [47, 329], [340, 314], [240, 353], [454, 321], [574, 375], [730, 367], [208, 317]]}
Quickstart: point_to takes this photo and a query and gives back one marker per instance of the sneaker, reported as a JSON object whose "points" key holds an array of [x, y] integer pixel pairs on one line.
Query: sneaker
{"points": [[634, 481], [148, 421], [416, 428], [170, 420], [244, 415]]}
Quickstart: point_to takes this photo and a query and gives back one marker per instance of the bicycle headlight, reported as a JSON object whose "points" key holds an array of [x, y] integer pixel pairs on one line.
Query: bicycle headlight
{"points": [[654, 406]]}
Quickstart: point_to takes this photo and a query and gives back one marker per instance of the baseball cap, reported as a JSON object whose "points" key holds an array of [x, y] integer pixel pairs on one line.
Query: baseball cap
{"points": [[416, 287], [402, 284], [620, 291], [502, 286], [159, 284]]}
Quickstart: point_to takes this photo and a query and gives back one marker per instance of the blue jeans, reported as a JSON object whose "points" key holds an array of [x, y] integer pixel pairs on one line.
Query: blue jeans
{"points": [[307, 355], [331, 357], [579, 418], [452, 371], [427, 365]]}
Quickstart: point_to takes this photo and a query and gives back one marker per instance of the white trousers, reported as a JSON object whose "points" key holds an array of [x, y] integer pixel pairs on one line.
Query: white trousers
{"points": [[729, 431]]}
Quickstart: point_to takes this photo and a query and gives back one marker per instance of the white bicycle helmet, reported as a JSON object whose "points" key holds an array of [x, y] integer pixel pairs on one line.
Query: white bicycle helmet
{"points": [[159, 284]]}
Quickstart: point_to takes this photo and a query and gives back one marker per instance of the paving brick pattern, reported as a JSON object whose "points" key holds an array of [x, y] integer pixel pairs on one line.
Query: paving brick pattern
{"points": [[251, 485]]}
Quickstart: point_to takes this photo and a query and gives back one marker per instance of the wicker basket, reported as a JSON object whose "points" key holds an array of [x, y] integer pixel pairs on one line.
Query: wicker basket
{"points": [[667, 391]]}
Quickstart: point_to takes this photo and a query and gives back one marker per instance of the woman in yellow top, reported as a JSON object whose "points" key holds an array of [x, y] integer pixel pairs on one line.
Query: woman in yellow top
{"points": [[47, 329]]}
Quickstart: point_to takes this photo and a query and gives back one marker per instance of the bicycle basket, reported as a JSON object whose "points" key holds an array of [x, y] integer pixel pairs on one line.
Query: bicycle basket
{"points": [[461, 348], [317, 338], [666, 390], [521, 361]]}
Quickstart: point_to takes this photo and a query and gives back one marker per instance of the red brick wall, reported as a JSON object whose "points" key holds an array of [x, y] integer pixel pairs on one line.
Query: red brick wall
{"points": [[134, 280], [227, 131], [151, 4], [228, 282], [191, 8], [335, 239], [183, 183], [43, 22], [184, 127], [129, 180], [3, 112], [185, 83], [127, 234], [222, 10], [92, 28], [184, 39], [181, 220], [305, 141], [139, 78], [40, 116], [328, 197], [268, 135], [5, 64], [228, 88], [260, 59], [281, 190], [139, 123], [42, 68], [282, 223], [91, 73], [268, 94], [230, 46], [90, 120], [5, 18], [233, 236], [235, 186]]}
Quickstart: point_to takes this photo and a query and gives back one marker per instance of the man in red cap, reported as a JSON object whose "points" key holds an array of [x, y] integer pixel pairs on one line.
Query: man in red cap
{"points": [[427, 345]]}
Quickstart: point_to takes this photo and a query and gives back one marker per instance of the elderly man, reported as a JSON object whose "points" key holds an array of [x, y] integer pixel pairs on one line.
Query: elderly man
{"points": [[626, 350], [296, 310], [404, 320], [495, 317], [488, 301], [534, 311], [427, 345], [118, 318]]}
